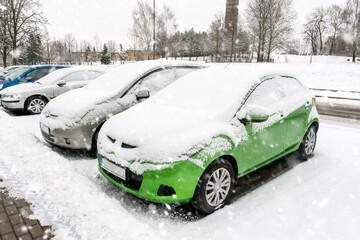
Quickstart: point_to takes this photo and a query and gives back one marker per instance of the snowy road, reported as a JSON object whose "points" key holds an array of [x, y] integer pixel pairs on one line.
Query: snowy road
{"points": [[317, 199]]}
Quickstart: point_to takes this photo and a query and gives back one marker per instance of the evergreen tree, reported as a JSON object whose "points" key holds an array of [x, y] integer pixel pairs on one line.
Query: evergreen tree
{"points": [[123, 55], [33, 50], [105, 58]]}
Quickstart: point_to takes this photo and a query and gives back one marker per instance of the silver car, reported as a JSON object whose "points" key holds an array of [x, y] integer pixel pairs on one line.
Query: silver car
{"points": [[74, 119], [32, 97]]}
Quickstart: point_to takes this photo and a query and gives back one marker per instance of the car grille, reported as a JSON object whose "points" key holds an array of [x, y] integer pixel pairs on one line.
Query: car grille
{"points": [[132, 181]]}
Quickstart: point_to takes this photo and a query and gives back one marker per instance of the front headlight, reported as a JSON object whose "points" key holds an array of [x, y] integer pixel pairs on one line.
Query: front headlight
{"points": [[1, 86], [11, 98]]}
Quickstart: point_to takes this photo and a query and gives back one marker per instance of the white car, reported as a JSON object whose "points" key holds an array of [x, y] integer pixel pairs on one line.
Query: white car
{"points": [[32, 97]]}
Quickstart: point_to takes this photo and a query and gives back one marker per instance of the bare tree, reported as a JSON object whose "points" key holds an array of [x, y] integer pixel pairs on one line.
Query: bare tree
{"points": [[280, 24], [70, 43], [142, 29], [23, 17], [97, 46], [311, 35], [112, 48], [166, 26], [270, 23], [353, 12], [5, 44], [336, 21], [47, 48], [257, 16], [216, 37], [315, 30]]}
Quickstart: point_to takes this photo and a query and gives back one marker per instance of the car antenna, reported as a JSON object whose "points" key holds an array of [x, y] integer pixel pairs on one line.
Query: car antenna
{"points": [[227, 65]]}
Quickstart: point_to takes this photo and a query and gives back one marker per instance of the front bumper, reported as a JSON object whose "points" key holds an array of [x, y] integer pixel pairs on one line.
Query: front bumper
{"points": [[74, 138], [12, 105], [182, 177]]}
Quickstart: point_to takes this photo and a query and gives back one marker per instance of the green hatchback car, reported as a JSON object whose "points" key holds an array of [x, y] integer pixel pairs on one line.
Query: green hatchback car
{"points": [[195, 138]]}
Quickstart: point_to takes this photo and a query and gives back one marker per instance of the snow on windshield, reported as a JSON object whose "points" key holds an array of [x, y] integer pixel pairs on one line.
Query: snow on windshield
{"points": [[16, 73], [215, 91]]}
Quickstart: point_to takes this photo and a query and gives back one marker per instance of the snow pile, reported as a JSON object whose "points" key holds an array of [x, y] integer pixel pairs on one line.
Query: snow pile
{"points": [[317, 199], [102, 93], [63, 196], [313, 59]]}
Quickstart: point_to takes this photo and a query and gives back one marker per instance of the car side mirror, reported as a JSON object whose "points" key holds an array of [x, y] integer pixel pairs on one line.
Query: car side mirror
{"points": [[61, 83], [253, 114], [28, 79], [142, 93]]}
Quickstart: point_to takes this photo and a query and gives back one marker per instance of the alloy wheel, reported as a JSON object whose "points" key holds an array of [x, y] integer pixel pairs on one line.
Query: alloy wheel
{"points": [[217, 187], [310, 141], [36, 105]]}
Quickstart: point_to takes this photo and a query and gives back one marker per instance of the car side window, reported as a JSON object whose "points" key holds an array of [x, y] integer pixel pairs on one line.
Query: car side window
{"points": [[266, 95], [290, 86], [90, 75], [158, 80], [76, 76], [35, 74]]}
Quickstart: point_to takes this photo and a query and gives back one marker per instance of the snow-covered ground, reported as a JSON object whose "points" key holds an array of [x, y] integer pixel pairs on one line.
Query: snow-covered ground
{"points": [[317, 199]]}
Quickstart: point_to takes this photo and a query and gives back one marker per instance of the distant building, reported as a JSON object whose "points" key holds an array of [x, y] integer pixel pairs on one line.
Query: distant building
{"points": [[231, 15], [140, 55]]}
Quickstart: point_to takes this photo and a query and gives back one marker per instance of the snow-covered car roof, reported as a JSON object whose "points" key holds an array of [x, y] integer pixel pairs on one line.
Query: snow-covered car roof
{"points": [[63, 72], [48, 79], [187, 113], [110, 85], [122, 77]]}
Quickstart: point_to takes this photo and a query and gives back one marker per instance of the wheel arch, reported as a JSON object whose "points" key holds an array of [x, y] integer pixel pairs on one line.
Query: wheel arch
{"points": [[315, 124], [233, 162], [95, 134]]}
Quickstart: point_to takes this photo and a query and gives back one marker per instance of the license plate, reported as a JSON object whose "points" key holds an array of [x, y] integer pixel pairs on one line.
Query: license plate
{"points": [[44, 128], [114, 169]]}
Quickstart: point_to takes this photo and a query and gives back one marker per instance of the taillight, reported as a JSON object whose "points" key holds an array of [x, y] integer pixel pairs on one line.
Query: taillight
{"points": [[314, 98]]}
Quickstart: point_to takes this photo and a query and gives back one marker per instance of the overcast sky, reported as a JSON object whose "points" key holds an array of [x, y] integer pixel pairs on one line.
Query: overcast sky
{"points": [[111, 19]]}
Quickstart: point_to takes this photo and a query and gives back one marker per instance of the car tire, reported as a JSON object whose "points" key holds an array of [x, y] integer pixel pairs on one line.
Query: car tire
{"points": [[35, 104], [214, 187], [308, 143]]}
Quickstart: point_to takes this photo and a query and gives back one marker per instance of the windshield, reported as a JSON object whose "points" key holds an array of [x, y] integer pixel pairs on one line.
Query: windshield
{"points": [[16, 73], [214, 91], [206, 89]]}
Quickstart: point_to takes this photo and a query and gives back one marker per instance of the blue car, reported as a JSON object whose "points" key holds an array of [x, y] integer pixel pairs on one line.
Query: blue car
{"points": [[26, 74]]}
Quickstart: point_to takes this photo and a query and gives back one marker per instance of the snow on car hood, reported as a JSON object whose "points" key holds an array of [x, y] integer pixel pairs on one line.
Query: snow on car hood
{"points": [[186, 114], [20, 88], [68, 108]]}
